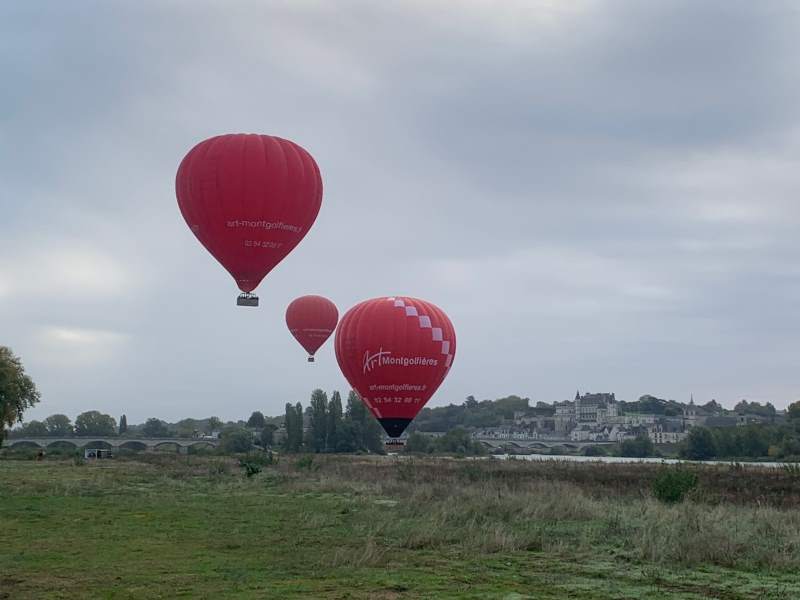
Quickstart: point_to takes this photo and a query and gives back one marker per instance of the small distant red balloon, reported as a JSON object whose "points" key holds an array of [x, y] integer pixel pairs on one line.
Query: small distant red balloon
{"points": [[249, 199], [395, 352], [311, 320]]}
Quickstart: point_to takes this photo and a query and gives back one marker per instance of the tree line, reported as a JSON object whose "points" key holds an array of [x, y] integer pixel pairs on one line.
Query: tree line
{"points": [[326, 426], [778, 441]]}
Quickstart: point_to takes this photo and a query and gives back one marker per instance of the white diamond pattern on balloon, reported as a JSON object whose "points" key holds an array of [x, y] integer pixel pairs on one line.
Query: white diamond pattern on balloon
{"points": [[425, 323]]}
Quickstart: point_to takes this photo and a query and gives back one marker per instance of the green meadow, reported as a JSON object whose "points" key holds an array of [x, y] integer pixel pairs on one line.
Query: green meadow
{"points": [[168, 526]]}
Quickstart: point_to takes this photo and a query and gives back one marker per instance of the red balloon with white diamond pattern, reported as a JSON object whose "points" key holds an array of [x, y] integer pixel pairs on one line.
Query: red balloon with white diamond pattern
{"points": [[395, 352]]}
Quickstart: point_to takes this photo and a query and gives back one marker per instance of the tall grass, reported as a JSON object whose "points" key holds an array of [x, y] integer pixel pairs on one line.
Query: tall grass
{"points": [[743, 518], [566, 508]]}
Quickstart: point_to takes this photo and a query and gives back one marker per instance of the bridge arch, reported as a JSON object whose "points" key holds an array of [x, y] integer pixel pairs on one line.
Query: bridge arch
{"points": [[202, 445], [133, 445], [22, 444], [62, 445], [167, 446], [98, 444]]}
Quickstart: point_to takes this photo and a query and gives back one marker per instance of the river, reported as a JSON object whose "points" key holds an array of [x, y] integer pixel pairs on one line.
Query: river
{"points": [[624, 459]]}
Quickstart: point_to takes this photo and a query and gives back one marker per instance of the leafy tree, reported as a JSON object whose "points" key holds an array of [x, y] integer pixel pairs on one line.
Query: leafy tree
{"points": [[364, 431], [594, 451], [59, 425], [34, 429], [793, 412], [17, 390], [236, 439], [419, 443], [640, 447], [699, 444], [712, 406], [267, 437], [256, 420], [458, 441], [334, 427], [299, 426], [123, 424], [214, 424], [155, 428], [186, 428], [288, 423], [318, 430], [95, 423], [294, 427]]}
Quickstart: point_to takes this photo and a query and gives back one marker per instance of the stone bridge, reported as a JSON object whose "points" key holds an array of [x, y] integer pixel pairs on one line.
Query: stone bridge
{"points": [[512, 445], [180, 445]]}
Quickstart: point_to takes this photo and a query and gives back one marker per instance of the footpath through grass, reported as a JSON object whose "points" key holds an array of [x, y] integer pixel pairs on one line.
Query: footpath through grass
{"points": [[353, 527]]}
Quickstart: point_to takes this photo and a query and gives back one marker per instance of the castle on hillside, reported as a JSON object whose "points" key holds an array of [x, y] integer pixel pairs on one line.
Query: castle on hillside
{"points": [[589, 409]]}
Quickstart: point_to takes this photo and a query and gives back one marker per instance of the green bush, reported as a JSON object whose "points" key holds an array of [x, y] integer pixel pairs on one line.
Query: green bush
{"points": [[250, 468], [671, 485]]}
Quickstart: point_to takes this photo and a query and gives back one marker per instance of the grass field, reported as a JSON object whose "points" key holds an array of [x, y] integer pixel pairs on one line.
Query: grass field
{"points": [[359, 527]]}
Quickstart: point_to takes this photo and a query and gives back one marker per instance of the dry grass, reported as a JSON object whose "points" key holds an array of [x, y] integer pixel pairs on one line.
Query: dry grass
{"points": [[497, 506]]}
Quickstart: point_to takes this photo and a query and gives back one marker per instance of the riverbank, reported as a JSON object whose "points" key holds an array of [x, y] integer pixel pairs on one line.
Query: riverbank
{"points": [[377, 527]]}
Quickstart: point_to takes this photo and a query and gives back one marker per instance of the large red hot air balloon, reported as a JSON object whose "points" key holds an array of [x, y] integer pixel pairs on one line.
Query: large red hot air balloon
{"points": [[249, 199], [311, 320], [395, 352]]}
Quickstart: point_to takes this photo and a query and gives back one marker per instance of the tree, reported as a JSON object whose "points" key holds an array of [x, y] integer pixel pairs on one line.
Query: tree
{"points": [[95, 423], [267, 437], [318, 426], [699, 444], [793, 412], [334, 428], [236, 439], [155, 428], [214, 424], [17, 390], [186, 428], [419, 443], [640, 447], [123, 424], [458, 441], [299, 426], [256, 420], [58, 425], [294, 428], [288, 424], [34, 429], [364, 432]]}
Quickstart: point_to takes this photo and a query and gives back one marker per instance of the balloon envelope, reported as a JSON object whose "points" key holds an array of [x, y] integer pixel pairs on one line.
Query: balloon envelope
{"points": [[311, 320], [249, 199], [395, 352]]}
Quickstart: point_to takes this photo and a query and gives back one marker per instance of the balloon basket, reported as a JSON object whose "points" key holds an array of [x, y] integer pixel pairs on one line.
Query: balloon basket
{"points": [[394, 445], [247, 300], [310, 359]]}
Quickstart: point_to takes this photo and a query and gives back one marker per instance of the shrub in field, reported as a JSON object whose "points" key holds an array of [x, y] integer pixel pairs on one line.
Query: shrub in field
{"points": [[672, 485], [250, 468]]}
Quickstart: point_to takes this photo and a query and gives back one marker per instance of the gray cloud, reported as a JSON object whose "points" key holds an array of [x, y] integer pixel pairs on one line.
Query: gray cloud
{"points": [[601, 196]]}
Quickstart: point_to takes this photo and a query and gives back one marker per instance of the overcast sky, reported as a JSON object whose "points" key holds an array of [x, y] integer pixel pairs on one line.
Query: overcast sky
{"points": [[601, 195]]}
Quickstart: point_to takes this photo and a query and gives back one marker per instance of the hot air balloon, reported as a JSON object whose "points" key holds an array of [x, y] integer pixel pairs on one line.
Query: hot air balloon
{"points": [[249, 199], [311, 320], [395, 352]]}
